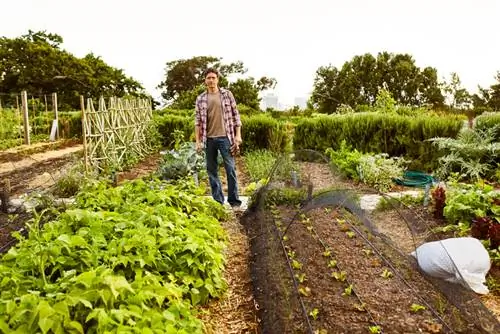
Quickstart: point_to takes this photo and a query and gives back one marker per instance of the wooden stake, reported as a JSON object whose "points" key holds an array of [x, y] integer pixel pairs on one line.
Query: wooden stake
{"points": [[84, 133], [56, 113], [24, 105]]}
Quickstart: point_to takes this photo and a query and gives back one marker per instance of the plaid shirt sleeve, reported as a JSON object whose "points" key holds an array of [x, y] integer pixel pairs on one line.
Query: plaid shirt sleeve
{"points": [[235, 112], [197, 117]]}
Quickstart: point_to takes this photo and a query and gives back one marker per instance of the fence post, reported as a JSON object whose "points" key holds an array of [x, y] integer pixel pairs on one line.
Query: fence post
{"points": [[84, 133], [24, 105], [56, 113]]}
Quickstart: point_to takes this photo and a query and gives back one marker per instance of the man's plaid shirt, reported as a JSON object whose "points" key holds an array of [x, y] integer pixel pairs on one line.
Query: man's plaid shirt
{"points": [[229, 110]]}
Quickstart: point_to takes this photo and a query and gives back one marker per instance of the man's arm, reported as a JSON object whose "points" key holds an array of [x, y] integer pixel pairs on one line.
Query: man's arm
{"points": [[236, 117], [197, 123]]}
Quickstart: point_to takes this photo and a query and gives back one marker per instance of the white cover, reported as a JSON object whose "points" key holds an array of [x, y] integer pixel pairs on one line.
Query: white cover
{"points": [[456, 258]]}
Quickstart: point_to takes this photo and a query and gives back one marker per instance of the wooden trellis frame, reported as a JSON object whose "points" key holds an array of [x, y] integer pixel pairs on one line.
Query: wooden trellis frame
{"points": [[115, 132]]}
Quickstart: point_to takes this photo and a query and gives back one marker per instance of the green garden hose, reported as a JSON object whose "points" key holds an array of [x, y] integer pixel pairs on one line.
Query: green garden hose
{"points": [[413, 178]]}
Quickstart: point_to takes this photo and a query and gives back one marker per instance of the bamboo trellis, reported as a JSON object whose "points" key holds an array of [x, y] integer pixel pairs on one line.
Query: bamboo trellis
{"points": [[116, 134]]}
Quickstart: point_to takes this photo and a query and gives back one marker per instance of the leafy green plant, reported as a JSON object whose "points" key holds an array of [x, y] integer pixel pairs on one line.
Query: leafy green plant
{"points": [[184, 161], [416, 307], [387, 274], [137, 257], [259, 164], [379, 170], [346, 160], [473, 153], [314, 313]]}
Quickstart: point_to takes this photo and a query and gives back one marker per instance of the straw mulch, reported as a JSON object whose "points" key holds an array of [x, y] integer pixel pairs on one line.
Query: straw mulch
{"points": [[235, 312]]}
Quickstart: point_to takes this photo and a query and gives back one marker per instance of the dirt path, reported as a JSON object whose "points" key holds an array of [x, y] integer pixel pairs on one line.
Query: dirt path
{"points": [[36, 158], [235, 313]]}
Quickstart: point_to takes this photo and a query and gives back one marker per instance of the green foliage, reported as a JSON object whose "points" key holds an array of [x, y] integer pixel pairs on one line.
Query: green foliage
{"points": [[168, 124], [36, 63], [9, 124], [487, 121], [358, 81], [135, 258], [181, 162], [379, 170], [384, 102], [464, 202], [345, 160], [376, 170], [184, 81], [378, 133], [263, 132], [260, 162], [286, 196], [473, 153]]}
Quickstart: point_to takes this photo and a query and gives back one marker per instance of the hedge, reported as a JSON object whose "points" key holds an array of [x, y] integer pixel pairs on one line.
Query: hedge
{"points": [[487, 121], [258, 132], [373, 132]]}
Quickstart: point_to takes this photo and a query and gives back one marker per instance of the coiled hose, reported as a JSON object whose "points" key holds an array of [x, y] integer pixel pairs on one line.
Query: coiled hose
{"points": [[413, 178]]}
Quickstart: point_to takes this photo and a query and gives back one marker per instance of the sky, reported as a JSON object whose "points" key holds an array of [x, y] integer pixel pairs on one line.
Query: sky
{"points": [[286, 40]]}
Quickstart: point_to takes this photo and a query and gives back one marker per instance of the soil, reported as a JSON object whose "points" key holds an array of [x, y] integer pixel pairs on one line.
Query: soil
{"points": [[386, 301], [36, 158], [20, 152], [235, 312]]}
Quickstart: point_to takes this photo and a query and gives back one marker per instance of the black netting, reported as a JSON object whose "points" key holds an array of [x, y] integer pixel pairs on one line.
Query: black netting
{"points": [[286, 219]]}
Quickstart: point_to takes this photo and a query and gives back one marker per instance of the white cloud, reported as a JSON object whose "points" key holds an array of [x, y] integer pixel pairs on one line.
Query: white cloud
{"points": [[276, 38]]}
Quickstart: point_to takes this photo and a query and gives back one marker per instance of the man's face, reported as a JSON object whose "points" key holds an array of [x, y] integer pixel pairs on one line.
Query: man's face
{"points": [[211, 80]]}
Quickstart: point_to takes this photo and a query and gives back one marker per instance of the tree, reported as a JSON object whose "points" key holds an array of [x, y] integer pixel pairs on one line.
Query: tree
{"points": [[183, 75], [359, 80], [458, 96], [246, 91], [494, 94], [36, 63], [184, 81], [488, 98]]}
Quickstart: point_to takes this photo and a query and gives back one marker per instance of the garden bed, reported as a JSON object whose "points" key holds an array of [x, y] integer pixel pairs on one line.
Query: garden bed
{"points": [[370, 286]]}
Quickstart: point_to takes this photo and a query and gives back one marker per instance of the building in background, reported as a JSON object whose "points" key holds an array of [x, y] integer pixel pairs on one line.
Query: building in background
{"points": [[269, 101]]}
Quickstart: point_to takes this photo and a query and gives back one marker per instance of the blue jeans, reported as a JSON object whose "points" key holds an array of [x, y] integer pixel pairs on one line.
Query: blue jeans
{"points": [[212, 149]]}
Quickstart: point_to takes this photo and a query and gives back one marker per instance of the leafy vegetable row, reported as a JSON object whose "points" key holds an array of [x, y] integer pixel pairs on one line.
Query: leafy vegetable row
{"points": [[130, 259]]}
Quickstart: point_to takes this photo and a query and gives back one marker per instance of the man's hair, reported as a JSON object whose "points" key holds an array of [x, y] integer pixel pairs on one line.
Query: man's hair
{"points": [[211, 70]]}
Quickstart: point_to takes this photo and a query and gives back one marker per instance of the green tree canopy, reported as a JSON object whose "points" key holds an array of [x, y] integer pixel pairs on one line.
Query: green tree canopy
{"points": [[184, 81], [488, 97], [359, 80], [36, 63]]}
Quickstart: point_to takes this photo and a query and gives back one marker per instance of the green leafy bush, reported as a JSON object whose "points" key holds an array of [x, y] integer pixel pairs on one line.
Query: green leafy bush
{"points": [[168, 124], [260, 162], [488, 121], [346, 160], [379, 170], [135, 258], [474, 154], [378, 133], [263, 132], [375, 170]]}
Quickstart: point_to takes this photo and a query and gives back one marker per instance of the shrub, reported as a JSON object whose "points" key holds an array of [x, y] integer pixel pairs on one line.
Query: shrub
{"points": [[378, 133], [263, 132], [168, 124], [489, 120]]}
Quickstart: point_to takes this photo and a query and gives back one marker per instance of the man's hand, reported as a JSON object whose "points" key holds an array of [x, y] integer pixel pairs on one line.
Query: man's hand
{"points": [[237, 141], [235, 148], [199, 147]]}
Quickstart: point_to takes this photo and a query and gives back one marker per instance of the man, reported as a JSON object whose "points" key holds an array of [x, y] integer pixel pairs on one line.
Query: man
{"points": [[218, 130]]}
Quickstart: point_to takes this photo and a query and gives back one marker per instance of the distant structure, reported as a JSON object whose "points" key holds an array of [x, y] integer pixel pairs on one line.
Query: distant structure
{"points": [[269, 101]]}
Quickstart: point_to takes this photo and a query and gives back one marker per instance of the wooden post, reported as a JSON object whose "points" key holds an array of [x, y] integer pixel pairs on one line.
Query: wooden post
{"points": [[24, 105], [56, 113], [84, 133]]}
